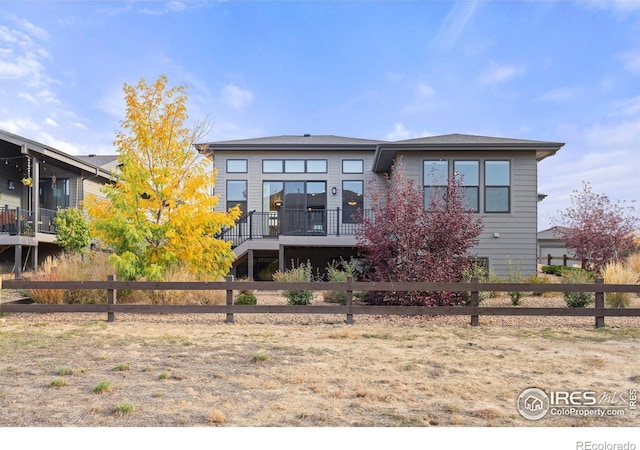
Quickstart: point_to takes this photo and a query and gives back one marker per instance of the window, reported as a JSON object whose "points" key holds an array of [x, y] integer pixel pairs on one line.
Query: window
{"points": [[54, 193], [236, 166], [272, 195], [435, 174], [316, 166], [294, 166], [497, 186], [237, 194], [352, 205], [352, 166], [272, 165], [469, 172]]}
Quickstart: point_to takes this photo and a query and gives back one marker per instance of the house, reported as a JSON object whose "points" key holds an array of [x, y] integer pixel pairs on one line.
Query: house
{"points": [[551, 245], [299, 194], [36, 180]]}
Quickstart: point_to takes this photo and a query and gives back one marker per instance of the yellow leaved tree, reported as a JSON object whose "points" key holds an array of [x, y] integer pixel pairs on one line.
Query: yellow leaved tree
{"points": [[160, 211]]}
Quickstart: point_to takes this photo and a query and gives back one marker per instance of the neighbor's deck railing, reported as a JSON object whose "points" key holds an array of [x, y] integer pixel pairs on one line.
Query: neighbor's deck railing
{"points": [[18, 221], [350, 309]]}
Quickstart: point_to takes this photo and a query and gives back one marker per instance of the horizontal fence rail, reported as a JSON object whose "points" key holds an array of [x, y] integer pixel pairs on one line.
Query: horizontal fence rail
{"points": [[474, 310]]}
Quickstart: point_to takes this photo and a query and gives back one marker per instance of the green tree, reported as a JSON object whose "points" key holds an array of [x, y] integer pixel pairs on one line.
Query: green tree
{"points": [[160, 211], [72, 230]]}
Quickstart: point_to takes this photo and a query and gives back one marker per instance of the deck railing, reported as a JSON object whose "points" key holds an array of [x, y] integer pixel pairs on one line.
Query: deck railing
{"points": [[18, 221], [294, 222]]}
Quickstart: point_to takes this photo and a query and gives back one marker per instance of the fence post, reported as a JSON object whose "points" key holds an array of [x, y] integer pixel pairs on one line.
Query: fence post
{"points": [[474, 303], [564, 260], [548, 259], [111, 300], [349, 302], [338, 221], [599, 304], [229, 300]]}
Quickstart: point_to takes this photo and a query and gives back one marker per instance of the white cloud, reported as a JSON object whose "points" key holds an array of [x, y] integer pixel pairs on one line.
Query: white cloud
{"points": [[236, 97], [31, 29], [603, 154], [400, 133], [631, 60], [561, 95], [19, 125], [51, 122], [618, 6], [454, 24], [167, 7], [500, 73], [629, 107], [424, 90], [28, 97]]}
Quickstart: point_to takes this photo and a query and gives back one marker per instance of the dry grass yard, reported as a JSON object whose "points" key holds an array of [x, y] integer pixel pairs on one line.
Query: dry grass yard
{"points": [[305, 371]]}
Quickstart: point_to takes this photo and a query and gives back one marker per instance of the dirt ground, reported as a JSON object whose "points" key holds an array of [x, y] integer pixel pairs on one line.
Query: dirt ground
{"points": [[310, 371]]}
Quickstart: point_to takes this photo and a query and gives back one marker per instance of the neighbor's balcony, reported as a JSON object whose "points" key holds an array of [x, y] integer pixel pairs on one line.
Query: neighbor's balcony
{"points": [[293, 222], [19, 222]]}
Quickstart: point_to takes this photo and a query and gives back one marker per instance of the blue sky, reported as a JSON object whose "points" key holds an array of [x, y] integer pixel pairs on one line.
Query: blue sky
{"points": [[564, 71]]}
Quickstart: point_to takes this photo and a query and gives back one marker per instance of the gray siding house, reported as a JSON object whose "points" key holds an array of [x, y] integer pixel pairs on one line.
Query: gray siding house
{"points": [[35, 181], [300, 194]]}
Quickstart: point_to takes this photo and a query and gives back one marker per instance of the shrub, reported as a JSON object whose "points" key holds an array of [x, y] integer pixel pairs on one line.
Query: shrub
{"points": [[179, 272], [514, 275], [553, 270], [534, 279], [619, 273], [480, 272], [124, 408], [58, 382], [102, 387], [339, 272], [246, 298], [301, 273], [633, 261], [578, 299], [72, 267]]}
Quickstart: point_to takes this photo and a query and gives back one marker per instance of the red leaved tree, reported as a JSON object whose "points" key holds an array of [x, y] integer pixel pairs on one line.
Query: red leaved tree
{"points": [[595, 229], [404, 241]]}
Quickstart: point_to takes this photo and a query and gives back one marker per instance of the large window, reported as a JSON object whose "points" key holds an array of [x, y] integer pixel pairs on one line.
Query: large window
{"points": [[54, 193], [469, 173], [497, 186], [300, 206], [237, 194], [436, 174], [352, 195]]}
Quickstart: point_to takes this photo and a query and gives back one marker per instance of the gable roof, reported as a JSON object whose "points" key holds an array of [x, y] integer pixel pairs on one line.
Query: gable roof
{"points": [[386, 152]]}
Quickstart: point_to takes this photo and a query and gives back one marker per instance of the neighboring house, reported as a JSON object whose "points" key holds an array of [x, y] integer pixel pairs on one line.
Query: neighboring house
{"points": [[300, 194], [52, 180], [550, 243]]}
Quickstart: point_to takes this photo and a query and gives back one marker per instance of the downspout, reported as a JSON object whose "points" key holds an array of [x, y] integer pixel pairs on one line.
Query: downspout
{"points": [[80, 187]]}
